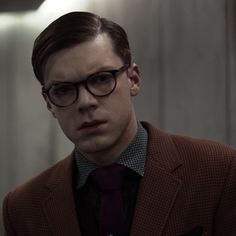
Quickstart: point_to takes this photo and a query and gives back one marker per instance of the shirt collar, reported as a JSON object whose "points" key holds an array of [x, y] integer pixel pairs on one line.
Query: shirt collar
{"points": [[133, 158]]}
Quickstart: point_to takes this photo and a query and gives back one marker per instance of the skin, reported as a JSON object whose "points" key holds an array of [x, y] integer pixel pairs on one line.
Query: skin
{"points": [[103, 142]]}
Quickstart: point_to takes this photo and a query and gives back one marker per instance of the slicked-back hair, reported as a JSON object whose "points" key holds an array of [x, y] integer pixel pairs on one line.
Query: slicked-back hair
{"points": [[72, 29]]}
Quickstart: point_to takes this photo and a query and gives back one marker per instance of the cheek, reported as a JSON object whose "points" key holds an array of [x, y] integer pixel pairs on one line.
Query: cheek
{"points": [[65, 120], [119, 103]]}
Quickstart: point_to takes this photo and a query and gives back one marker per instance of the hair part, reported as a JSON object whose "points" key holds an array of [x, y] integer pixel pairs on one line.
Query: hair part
{"points": [[72, 29]]}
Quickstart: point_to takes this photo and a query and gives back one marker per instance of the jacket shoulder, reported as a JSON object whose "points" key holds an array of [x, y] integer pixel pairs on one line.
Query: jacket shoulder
{"points": [[190, 149], [36, 187], [203, 149]]}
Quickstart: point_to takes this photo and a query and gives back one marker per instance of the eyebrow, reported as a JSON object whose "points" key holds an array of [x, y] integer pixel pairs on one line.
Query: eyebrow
{"points": [[100, 70]]}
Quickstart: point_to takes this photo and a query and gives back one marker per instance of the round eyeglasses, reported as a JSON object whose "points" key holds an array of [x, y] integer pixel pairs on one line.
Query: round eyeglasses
{"points": [[100, 84]]}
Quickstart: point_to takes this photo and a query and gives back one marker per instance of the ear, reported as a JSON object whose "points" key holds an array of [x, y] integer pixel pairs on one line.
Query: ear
{"points": [[49, 105], [134, 78]]}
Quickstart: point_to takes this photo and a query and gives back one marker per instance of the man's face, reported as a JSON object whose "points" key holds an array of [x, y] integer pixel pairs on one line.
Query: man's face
{"points": [[98, 126]]}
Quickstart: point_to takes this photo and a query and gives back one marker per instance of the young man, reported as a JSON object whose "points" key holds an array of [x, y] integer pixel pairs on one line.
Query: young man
{"points": [[124, 177]]}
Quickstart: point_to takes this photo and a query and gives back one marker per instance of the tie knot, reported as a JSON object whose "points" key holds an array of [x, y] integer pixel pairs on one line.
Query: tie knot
{"points": [[109, 177]]}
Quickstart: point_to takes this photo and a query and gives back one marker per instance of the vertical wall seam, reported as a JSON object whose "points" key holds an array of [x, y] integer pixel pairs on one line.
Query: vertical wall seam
{"points": [[11, 109], [161, 78], [227, 74]]}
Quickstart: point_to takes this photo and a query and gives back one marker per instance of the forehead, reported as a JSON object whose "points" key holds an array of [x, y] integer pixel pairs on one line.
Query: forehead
{"points": [[81, 60]]}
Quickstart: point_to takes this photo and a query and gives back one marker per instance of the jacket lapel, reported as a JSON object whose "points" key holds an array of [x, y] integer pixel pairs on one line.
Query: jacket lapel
{"points": [[159, 187], [59, 206]]}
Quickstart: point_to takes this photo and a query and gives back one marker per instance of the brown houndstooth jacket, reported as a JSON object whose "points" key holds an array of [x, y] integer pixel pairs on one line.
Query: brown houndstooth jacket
{"points": [[189, 188]]}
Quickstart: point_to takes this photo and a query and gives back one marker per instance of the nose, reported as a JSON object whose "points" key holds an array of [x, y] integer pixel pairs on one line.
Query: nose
{"points": [[86, 100]]}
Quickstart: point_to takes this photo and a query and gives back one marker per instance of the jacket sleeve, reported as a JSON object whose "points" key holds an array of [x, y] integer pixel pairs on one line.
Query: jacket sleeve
{"points": [[225, 218], [8, 227]]}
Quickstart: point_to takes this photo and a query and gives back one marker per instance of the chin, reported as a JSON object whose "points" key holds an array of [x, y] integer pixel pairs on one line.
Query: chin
{"points": [[94, 146]]}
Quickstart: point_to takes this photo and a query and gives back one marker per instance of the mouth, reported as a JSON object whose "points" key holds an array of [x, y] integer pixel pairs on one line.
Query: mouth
{"points": [[91, 124]]}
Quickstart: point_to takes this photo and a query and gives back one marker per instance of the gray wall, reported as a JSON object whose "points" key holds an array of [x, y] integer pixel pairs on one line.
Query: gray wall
{"points": [[186, 51]]}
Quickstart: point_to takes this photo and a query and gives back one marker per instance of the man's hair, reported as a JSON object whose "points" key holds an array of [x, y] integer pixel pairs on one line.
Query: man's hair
{"points": [[72, 29]]}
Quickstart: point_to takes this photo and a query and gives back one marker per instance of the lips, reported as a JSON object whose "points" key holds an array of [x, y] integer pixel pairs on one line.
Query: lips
{"points": [[90, 124]]}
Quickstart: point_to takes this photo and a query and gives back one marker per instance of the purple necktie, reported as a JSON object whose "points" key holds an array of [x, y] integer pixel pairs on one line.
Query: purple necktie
{"points": [[109, 181]]}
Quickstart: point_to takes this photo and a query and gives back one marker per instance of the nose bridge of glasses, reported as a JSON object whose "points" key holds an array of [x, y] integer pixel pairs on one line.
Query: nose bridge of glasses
{"points": [[80, 84], [83, 90]]}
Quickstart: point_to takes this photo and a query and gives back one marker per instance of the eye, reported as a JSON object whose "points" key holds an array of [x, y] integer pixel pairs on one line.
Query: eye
{"points": [[101, 79], [62, 89]]}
